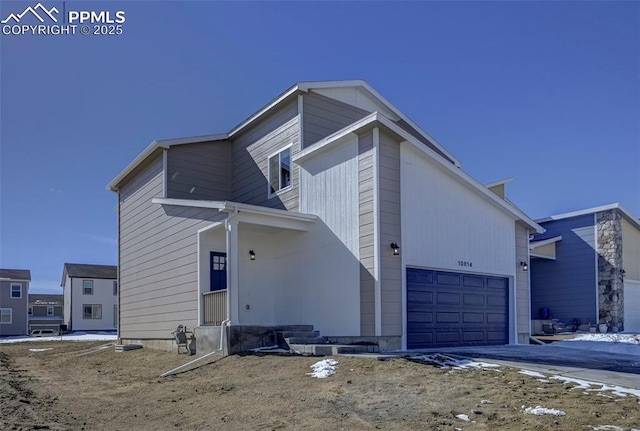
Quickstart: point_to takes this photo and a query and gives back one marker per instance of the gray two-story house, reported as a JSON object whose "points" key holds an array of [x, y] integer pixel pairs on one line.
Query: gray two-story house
{"points": [[45, 311], [327, 208], [14, 302]]}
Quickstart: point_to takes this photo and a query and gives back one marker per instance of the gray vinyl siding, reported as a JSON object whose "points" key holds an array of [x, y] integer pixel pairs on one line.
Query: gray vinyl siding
{"points": [[390, 231], [250, 153], [324, 116], [366, 235], [523, 314], [158, 258], [41, 311], [567, 286], [18, 325], [199, 171]]}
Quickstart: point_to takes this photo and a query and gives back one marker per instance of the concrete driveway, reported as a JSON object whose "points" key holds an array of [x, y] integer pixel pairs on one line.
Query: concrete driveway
{"points": [[595, 366]]}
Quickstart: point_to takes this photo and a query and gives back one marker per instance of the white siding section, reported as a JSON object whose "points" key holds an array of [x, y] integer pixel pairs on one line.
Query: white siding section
{"points": [[102, 295], [631, 306], [444, 221], [329, 189], [522, 288], [66, 290], [630, 252]]}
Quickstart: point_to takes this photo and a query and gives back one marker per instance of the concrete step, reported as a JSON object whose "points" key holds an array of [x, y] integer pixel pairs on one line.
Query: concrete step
{"points": [[305, 340], [331, 349], [304, 334], [280, 328]]}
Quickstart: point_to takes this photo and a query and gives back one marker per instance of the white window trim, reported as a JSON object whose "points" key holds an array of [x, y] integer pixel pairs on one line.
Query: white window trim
{"points": [[83, 288], [10, 316], [284, 189], [52, 311], [91, 305], [11, 293]]}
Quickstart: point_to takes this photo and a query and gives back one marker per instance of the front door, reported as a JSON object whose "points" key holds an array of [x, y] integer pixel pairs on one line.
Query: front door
{"points": [[218, 267]]}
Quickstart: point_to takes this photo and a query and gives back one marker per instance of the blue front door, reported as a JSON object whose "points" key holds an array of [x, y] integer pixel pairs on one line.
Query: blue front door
{"points": [[218, 267]]}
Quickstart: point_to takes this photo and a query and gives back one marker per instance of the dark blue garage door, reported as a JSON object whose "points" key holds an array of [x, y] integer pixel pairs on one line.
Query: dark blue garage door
{"points": [[455, 309]]}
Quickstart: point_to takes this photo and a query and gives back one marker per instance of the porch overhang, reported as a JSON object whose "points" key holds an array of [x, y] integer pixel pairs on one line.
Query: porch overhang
{"points": [[251, 214]]}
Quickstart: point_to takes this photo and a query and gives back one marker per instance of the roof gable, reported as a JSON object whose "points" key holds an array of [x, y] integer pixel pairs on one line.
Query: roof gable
{"points": [[15, 274], [81, 270]]}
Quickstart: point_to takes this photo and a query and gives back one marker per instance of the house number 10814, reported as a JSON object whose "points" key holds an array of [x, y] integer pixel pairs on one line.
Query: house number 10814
{"points": [[464, 263]]}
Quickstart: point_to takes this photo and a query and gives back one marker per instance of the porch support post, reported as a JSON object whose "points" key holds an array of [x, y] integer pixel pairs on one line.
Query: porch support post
{"points": [[232, 270]]}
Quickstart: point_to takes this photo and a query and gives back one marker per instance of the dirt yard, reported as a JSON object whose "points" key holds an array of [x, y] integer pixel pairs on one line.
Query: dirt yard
{"points": [[58, 390]]}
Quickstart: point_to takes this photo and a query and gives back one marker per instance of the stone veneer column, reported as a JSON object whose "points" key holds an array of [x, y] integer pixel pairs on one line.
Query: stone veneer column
{"points": [[610, 282]]}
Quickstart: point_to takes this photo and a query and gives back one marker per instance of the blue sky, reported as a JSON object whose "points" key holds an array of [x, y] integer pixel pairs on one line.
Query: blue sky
{"points": [[546, 92]]}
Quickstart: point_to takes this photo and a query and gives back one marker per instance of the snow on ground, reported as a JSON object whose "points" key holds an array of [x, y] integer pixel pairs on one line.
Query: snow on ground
{"points": [[446, 361], [463, 417], [627, 344], [323, 369], [40, 350], [587, 386], [608, 428], [532, 373], [539, 411], [75, 336]]}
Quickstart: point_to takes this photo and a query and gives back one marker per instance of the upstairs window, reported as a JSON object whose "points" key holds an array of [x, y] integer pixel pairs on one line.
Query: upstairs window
{"points": [[87, 287], [30, 311], [16, 290], [49, 311], [280, 171]]}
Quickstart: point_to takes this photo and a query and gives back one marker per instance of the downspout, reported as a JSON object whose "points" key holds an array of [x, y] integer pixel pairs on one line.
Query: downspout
{"points": [[188, 364]]}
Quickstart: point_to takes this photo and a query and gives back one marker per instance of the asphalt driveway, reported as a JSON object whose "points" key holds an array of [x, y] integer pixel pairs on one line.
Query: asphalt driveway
{"points": [[597, 366]]}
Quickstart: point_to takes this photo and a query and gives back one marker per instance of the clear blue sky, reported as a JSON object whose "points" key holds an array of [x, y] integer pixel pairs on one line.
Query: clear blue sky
{"points": [[546, 92]]}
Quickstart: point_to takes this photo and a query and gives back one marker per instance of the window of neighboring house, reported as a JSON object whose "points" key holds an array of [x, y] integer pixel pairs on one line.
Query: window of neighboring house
{"points": [[92, 311], [280, 171], [16, 290], [87, 287], [115, 288], [49, 311], [6, 315], [30, 311]]}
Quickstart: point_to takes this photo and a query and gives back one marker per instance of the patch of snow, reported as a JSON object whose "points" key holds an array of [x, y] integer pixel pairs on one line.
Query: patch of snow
{"points": [[270, 349], [463, 417], [323, 369], [40, 350], [486, 402], [75, 336], [608, 427], [445, 361], [532, 373], [609, 338], [586, 385], [539, 411]]}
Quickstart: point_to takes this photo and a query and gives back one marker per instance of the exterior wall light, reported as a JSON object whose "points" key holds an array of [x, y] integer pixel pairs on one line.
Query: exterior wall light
{"points": [[252, 255], [395, 248], [524, 265]]}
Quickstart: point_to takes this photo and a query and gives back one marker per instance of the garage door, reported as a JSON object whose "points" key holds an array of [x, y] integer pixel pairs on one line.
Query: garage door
{"points": [[455, 309], [631, 306]]}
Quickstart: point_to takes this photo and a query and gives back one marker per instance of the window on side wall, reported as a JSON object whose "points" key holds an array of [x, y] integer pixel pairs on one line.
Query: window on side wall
{"points": [[87, 287], [49, 311], [92, 311], [30, 311], [16, 290], [6, 315], [280, 171]]}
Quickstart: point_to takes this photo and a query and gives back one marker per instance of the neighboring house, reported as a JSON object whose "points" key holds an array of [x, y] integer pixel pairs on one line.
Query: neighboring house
{"points": [[328, 207], [14, 291], [45, 311], [586, 266], [90, 297]]}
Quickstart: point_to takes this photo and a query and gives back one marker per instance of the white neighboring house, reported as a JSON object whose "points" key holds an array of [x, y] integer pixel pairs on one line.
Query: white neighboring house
{"points": [[90, 297]]}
